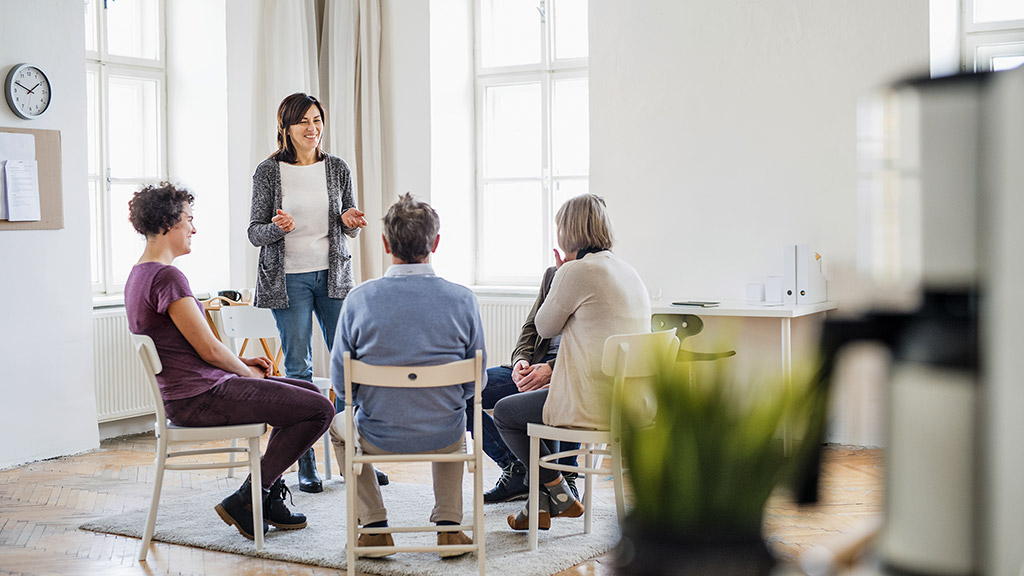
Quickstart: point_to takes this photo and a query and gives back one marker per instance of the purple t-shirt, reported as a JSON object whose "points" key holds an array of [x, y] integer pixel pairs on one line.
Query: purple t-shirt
{"points": [[150, 290]]}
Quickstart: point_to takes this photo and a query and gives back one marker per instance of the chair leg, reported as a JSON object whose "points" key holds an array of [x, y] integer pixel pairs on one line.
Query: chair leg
{"points": [[158, 484], [534, 493], [327, 455], [479, 536], [231, 457], [588, 483], [620, 500], [352, 526], [256, 480]]}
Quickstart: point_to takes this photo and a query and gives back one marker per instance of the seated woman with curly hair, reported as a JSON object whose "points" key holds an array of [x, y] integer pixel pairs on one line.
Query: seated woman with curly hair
{"points": [[202, 382]]}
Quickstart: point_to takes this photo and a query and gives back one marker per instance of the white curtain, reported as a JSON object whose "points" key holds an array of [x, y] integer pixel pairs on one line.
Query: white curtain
{"points": [[350, 91], [286, 63]]}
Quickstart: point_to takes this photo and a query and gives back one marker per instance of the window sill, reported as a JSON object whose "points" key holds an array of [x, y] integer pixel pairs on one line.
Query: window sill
{"points": [[525, 291], [107, 301]]}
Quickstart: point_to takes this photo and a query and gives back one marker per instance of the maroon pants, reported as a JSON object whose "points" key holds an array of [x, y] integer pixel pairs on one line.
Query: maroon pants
{"points": [[297, 411]]}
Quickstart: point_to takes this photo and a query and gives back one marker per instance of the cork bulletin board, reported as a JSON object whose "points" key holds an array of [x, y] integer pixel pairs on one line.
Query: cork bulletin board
{"points": [[51, 190]]}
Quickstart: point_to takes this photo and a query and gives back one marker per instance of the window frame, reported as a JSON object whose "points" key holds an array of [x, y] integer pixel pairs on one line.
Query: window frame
{"points": [[545, 73], [980, 41], [104, 65]]}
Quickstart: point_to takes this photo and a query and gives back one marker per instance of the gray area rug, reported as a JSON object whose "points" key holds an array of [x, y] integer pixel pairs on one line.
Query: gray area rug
{"points": [[191, 521]]}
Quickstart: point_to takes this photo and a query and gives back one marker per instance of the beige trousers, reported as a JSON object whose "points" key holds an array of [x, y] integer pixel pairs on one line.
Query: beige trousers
{"points": [[370, 502]]}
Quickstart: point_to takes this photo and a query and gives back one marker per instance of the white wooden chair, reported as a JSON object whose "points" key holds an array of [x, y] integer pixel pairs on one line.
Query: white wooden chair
{"points": [[625, 356], [168, 434], [245, 322], [454, 373]]}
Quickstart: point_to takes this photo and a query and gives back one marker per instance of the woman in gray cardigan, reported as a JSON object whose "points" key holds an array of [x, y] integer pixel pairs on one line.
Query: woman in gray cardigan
{"points": [[302, 210]]}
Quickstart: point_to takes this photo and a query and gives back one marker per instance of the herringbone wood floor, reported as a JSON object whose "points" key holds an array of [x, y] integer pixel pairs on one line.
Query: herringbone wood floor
{"points": [[43, 503]]}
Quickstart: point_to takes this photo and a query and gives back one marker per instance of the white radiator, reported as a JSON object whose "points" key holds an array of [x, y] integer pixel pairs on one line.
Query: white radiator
{"points": [[121, 388], [503, 318], [122, 392]]}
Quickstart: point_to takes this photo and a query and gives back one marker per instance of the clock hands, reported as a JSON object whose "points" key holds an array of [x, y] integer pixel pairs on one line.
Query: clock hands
{"points": [[30, 90]]}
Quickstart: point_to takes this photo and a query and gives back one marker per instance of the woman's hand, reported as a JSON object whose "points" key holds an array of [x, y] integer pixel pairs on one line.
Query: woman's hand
{"points": [[260, 366], [353, 218], [284, 221], [569, 256]]}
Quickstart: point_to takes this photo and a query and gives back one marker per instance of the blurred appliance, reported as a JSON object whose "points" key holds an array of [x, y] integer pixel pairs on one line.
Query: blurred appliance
{"points": [[941, 238]]}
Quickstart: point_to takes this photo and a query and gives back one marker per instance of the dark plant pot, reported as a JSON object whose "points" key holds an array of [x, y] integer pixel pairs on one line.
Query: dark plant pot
{"points": [[659, 551]]}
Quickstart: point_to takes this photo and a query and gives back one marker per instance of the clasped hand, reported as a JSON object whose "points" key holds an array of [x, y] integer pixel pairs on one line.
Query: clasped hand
{"points": [[528, 377], [259, 367]]}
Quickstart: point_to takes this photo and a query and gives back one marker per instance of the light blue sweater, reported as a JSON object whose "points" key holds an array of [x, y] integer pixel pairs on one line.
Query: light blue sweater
{"points": [[410, 317]]}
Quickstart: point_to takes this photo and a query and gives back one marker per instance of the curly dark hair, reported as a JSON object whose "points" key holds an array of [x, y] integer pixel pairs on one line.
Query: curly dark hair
{"points": [[155, 209]]}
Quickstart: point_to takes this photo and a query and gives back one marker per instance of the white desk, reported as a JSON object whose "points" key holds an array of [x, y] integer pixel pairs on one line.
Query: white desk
{"points": [[785, 313]]}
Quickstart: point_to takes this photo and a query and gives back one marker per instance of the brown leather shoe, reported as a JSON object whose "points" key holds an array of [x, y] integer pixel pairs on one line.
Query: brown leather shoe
{"points": [[452, 539], [375, 540]]}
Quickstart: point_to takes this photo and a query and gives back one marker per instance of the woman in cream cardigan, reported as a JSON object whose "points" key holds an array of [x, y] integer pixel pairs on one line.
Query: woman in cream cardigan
{"points": [[594, 295]]}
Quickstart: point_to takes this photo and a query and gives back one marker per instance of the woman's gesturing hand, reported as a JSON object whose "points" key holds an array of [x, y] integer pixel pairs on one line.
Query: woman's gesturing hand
{"points": [[353, 218], [284, 221]]}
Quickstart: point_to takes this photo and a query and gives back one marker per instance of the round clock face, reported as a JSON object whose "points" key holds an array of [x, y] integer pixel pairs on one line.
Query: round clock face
{"points": [[28, 91]]}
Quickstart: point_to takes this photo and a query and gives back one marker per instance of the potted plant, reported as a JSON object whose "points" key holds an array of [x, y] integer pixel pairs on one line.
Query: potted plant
{"points": [[702, 471]]}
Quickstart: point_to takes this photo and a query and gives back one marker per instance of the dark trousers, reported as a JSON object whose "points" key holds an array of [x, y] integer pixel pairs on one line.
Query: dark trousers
{"points": [[297, 411], [512, 415], [500, 385]]}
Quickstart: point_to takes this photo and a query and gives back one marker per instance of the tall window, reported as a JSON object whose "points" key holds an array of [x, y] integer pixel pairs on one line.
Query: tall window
{"points": [[125, 80], [993, 34], [533, 138]]}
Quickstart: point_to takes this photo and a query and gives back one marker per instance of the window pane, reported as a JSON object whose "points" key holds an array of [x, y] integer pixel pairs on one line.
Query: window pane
{"points": [[511, 230], [126, 245], [134, 128], [90, 25], [570, 128], [570, 28], [95, 233], [512, 131], [1006, 62], [133, 28], [998, 10], [91, 118], [565, 189], [510, 32]]}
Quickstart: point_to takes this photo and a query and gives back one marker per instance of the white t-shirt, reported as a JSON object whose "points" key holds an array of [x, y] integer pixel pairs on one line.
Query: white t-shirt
{"points": [[304, 196]]}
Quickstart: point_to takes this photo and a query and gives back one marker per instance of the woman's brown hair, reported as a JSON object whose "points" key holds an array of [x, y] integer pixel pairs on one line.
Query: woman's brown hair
{"points": [[291, 111]]}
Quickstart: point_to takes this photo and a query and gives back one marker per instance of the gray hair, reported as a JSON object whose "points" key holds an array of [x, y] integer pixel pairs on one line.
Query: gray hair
{"points": [[583, 222], [410, 227]]}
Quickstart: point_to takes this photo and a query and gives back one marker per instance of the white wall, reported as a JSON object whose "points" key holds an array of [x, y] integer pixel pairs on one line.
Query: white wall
{"points": [[48, 408], [721, 131]]}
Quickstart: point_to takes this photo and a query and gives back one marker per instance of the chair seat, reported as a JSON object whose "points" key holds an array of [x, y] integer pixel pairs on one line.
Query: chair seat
{"points": [[186, 434], [578, 435]]}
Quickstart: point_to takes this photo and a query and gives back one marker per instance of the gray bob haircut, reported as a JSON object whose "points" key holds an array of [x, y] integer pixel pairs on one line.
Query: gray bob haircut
{"points": [[410, 227], [583, 222]]}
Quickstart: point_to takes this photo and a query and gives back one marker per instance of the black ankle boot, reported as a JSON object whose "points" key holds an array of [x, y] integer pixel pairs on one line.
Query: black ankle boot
{"points": [[236, 510], [276, 513], [511, 485], [309, 480]]}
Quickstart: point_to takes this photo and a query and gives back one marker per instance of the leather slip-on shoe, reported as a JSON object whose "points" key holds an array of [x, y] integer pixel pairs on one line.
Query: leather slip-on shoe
{"points": [[371, 540], [452, 539]]}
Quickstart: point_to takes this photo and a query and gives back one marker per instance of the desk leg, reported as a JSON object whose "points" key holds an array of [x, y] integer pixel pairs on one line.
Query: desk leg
{"points": [[787, 376]]}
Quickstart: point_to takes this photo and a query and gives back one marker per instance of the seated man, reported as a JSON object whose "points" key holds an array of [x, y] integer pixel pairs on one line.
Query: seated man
{"points": [[410, 317], [533, 360]]}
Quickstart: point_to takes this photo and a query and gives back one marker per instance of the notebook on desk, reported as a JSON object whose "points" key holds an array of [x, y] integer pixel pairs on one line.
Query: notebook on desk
{"points": [[696, 303]]}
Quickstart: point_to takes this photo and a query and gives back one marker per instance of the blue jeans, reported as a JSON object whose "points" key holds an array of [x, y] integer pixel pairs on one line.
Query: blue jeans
{"points": [[500, 385], [307, 294]]}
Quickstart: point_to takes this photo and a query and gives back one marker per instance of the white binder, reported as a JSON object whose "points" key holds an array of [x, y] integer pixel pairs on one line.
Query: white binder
{"points": [[810, 282], [789, 274]]}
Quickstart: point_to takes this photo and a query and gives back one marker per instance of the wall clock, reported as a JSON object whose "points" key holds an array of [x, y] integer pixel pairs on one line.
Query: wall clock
{"points": [[28, 91]]}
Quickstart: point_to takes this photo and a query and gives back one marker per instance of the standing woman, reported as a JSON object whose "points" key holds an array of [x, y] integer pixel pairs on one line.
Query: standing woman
{"points": [[302, 209]]}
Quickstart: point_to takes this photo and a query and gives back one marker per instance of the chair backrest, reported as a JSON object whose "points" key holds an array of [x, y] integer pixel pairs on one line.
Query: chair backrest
{"points": [[151, 365], [450, 374], [646, 354], [248, 322], [686, 325]]}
